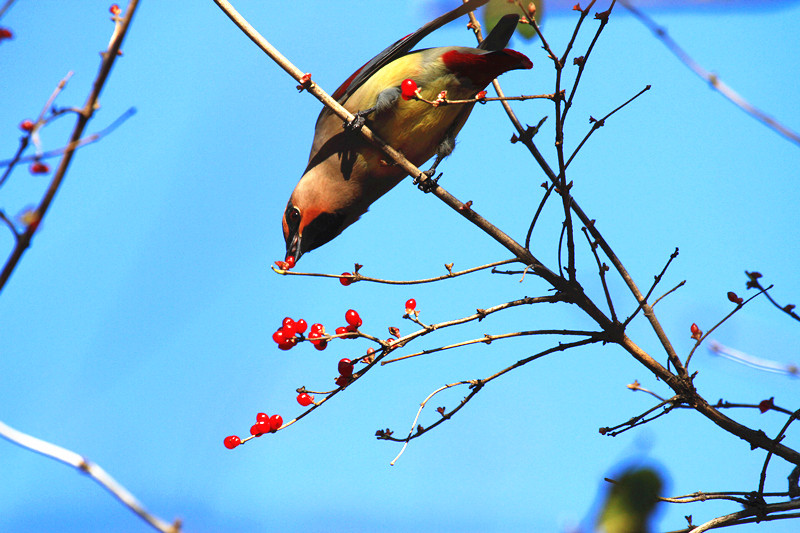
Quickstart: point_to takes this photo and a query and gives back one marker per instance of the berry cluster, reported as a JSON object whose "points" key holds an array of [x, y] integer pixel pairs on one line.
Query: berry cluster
{"points": [[264, 424], [286, 264], [290, 333]]}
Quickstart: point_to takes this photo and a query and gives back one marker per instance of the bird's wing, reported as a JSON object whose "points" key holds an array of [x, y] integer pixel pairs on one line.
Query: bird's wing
{"points": [[400, 48]]}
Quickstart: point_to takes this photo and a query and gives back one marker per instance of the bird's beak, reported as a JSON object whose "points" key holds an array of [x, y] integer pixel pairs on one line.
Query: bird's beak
{"points": [[293, 247]]}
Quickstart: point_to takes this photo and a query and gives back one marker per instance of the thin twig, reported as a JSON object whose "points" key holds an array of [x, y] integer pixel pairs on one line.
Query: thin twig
{"points": [[488, 339], [718, 324], [779, 437], [599, 123], [657, 279], [89, 139], [602, 268], [359, 277], [419, 412], [755, 284]]}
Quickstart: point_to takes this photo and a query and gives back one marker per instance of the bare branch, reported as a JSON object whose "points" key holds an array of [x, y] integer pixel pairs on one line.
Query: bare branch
{"points": [[713, 80], [91, 469]]}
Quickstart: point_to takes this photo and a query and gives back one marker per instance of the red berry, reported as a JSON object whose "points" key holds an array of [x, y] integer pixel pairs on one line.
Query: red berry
{"points": [[370, 351], [695, 329], [321, 345], [305, 399], [275, 422], [319, 329], [345, 281], [288, 325], [341, 381], [114, 9], [301, 326], [411, 305], [260, 417], [37, 167], [289, 262], [408, 89], [5, 33], [287, 345], [341, 330], [232, 442], [26, 125], [259, 428], [346, 367], [481, 95], [279, 336], [352, 318]]}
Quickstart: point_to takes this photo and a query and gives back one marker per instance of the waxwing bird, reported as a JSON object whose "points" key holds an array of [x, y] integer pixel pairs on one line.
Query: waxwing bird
{"points": [[346, 174]]}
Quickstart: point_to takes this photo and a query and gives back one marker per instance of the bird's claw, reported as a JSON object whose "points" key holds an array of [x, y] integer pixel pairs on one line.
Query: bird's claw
{"points": [[356, 124], [429, 183]]}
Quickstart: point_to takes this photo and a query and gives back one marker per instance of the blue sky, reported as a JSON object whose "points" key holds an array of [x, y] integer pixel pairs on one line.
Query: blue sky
{"points": [[137, 329]]}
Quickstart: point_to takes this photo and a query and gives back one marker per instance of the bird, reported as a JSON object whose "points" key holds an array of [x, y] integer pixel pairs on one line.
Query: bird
{"points": [[345, 173]]}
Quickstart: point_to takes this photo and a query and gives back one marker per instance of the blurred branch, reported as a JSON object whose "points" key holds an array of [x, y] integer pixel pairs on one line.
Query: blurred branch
{"points": [[713, 80], [121, 26], [92, 470]]}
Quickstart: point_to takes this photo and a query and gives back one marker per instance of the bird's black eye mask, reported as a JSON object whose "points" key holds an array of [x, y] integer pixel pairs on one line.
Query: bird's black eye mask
{"points": [[322, 229], [292, 217]]}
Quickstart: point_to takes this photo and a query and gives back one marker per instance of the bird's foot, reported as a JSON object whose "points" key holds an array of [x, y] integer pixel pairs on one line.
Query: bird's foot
{"points": [[359, 119], [356, 124], [426, 182]]}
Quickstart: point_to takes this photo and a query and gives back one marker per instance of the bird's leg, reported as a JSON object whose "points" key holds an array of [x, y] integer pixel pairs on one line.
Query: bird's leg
{"points": [[386, 98], [444, 149]]}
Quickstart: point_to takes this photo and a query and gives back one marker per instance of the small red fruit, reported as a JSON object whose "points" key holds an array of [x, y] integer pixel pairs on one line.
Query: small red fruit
{"points": [[5, 33], [289, 262], [114, 9], [288, 344], [345, 281], [341, 381], [408, 89], [346, 367], [260, 417], [300, 326], [232, 442], [321, 345], [352, 318], [37, 167], [695, 329], [259, 428], [481, 95], [341, 330], [279, 336], [411, 305], [275, 422], [26, 125], [319, 329], [305, 399]]}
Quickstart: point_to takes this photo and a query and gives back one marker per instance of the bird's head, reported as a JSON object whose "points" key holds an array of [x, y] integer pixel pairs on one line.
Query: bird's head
{"points": [[308, 225]]}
